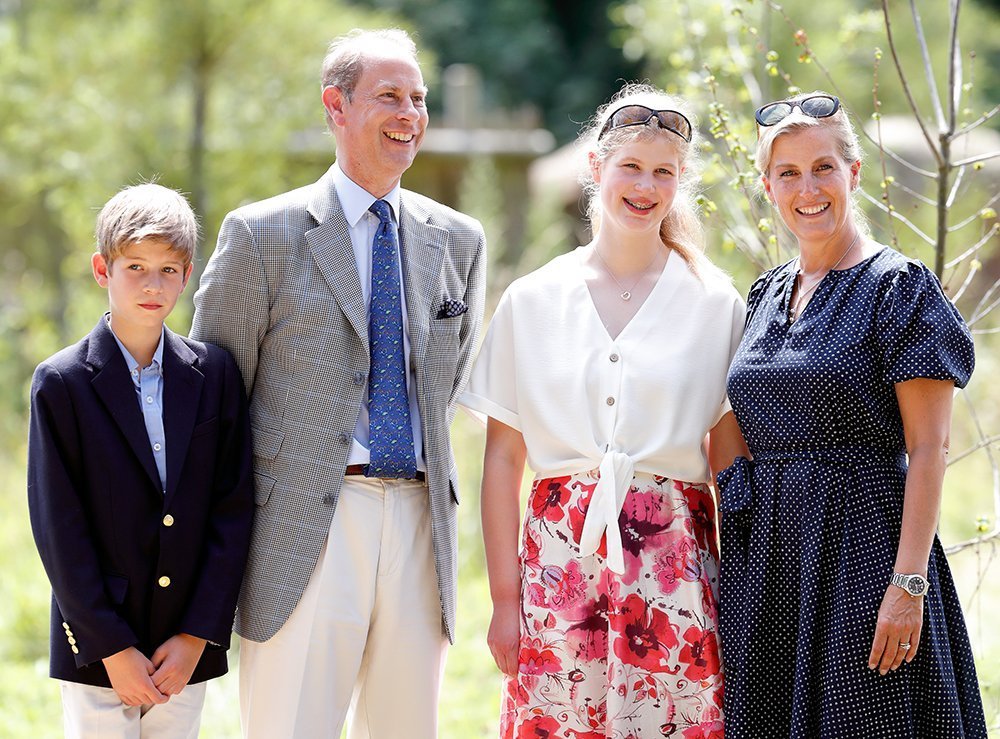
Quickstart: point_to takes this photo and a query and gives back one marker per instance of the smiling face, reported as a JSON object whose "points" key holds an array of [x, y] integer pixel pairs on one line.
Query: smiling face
{"points": [[638, 182], [143, 283], [381, 127], [811, 184]]}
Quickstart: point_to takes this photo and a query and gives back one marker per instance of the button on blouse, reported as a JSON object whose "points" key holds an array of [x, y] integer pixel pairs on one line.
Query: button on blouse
{"points": [[643, 401]]}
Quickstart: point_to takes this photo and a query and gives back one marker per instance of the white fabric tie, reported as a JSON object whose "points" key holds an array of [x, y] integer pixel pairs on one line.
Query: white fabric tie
{"points": [[616, 471]]}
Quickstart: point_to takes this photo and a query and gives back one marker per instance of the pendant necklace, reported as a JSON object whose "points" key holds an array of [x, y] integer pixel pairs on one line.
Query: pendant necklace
{"points": [[626, 294], [796, 308]]}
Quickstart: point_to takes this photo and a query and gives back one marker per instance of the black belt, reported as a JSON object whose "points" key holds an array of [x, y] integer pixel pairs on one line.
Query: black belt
{"points": [[362, 469]]}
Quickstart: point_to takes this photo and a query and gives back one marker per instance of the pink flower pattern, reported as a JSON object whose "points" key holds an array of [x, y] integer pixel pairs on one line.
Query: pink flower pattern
{"points": [[608, 656]]}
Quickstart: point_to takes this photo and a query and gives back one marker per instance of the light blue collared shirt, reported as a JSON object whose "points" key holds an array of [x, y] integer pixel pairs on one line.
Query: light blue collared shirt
{"points": [[356, 201], [148, 383]]}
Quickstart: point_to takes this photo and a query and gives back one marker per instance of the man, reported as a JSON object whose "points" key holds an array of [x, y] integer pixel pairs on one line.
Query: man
{"points": [[352, 307]]}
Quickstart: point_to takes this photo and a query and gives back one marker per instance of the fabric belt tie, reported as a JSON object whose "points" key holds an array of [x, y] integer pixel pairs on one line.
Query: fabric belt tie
{"points": [[840, 456], [616, 470]]}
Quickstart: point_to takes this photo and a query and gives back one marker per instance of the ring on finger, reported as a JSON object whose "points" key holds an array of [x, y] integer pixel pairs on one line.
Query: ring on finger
{"points": [[904, 645]]}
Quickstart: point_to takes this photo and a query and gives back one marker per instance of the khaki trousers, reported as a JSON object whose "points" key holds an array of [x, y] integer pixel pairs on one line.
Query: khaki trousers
{"points": [[91, 712], [364, 645]]}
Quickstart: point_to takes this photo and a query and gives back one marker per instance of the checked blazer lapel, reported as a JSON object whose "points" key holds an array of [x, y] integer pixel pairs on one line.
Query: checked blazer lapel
{"points": [[422, 248], [330, 243], [182, 383], [114, 387]]}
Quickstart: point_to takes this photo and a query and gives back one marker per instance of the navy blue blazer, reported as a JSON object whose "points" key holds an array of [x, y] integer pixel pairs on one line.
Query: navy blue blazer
{"points": [[130, 565]]}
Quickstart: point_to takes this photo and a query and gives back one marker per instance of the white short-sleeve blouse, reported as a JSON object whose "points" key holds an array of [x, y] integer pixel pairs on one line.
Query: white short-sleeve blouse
{"points": [[643, 401]]}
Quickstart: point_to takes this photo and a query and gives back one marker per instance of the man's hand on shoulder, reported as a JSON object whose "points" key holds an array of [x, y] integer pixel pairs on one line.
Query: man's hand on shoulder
{"points": [[130, 671], [175, 661]]}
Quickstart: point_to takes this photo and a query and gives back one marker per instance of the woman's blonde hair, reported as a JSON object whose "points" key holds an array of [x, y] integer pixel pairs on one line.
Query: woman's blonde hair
{"points": [[681, 229], [837, 125]]}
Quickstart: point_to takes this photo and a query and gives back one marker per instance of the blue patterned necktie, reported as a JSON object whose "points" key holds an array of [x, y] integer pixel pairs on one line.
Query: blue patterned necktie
{"points": [[390, 439]]}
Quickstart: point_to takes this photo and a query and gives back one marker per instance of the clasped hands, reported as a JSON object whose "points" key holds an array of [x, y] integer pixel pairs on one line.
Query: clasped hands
{"points": [[139, 681]]}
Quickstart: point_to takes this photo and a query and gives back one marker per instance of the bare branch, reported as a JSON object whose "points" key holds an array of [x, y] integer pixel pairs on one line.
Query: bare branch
{"points": [[906, 85], [954, 68], [969, 277], [928, 68], [990, 538], [973, 449], [895, 157], [979, 158], [995, 468], [975, 216], [974, 248], [976, 123], [896, 214], [738, 56], [877, 106], [913, 193], [981, 312], [955, 187]]}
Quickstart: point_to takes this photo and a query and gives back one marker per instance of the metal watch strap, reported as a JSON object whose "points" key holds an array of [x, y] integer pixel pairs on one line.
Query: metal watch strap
{"points": [[915, 585]]}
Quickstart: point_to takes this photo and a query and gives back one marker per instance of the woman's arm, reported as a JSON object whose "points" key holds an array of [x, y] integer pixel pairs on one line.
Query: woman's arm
{"points": [[503, 469], [925, 406], [725, 444]]}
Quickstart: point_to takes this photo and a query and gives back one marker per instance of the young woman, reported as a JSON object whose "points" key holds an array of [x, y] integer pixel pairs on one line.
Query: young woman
{"points": [[605, 369], [839, 616]]}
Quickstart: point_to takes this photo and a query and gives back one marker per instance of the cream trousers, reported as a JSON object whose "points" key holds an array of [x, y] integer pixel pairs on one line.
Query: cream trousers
{"points": [[364, 645]]}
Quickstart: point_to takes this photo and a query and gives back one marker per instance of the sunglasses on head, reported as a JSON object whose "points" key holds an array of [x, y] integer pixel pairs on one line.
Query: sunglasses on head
{"points": [[640, 115], [814, 106]]}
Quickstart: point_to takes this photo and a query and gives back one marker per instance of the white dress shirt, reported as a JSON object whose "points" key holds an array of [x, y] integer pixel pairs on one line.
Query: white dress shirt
{"points": [[642, 402], [356, 201]]}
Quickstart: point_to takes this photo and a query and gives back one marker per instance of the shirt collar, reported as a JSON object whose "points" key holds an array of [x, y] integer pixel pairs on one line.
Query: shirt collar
{"points": [[356, 201], [133, 365]]}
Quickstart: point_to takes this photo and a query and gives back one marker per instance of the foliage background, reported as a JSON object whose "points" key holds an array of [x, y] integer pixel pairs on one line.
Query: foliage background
{"points": [[212, 96]]}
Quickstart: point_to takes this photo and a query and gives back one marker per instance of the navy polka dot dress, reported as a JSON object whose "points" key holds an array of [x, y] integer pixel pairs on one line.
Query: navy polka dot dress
{"points": [[810, 527]]}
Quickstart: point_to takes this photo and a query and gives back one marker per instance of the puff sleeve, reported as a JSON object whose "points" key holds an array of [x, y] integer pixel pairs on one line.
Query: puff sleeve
{"points": [[492, 389], [920, 332]]}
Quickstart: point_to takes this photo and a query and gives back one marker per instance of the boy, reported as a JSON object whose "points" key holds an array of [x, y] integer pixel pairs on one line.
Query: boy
{"points": [[139, 488]]}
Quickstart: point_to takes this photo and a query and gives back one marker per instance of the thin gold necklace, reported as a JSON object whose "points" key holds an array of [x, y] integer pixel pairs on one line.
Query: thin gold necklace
{"points": [[626, 294], [797, 307]]}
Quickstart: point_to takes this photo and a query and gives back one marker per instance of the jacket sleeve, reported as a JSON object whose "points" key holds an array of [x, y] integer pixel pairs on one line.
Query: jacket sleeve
{"points": [[60, 527], [232, 303], [212, 604], [472, 321]]}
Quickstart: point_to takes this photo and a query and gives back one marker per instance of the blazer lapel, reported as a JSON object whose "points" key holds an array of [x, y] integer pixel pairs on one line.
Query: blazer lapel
{"points": [[115, 388], [330, 243], [422, 247], [182, 384]]}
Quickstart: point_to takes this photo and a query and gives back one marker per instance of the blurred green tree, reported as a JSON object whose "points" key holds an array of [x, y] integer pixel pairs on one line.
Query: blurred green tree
{"points": [[556, 55], [204, 95]]}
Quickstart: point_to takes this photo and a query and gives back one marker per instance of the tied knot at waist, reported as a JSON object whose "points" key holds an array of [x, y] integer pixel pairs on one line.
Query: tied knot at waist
{"points": [[616, 473], [736, 481]]}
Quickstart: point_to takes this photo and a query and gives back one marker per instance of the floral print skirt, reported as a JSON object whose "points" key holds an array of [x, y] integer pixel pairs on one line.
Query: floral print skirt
{"points": [[603, 655]]}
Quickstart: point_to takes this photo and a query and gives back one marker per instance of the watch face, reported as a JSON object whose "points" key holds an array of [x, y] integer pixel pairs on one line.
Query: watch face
{"points": [[916, 586]]}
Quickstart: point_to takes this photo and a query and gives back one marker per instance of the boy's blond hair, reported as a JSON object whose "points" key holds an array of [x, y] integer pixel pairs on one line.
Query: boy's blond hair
{"points": [[146, 211]]}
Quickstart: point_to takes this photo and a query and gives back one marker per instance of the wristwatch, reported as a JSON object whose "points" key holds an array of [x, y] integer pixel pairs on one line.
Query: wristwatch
{"points": [[914, 585]]}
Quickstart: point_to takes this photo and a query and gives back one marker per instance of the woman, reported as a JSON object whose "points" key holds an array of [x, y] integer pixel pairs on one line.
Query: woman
{"points": [[839, 615], [606, 370]]}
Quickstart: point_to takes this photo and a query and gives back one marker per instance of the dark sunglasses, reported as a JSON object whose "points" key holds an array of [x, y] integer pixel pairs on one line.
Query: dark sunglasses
{"points": [[640, 115], [814, 106]]}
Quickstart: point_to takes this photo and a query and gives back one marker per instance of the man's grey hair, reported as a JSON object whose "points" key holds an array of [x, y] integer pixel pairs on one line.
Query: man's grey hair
{"points": [[345, 57]]}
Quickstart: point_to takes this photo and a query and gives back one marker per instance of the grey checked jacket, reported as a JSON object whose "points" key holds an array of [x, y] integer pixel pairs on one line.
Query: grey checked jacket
{"points": [[282, 294]]}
